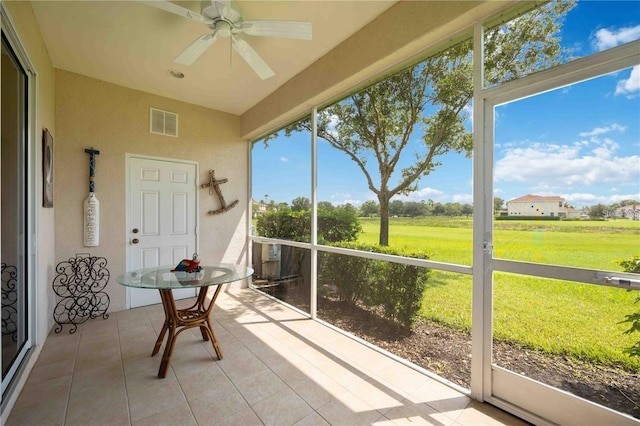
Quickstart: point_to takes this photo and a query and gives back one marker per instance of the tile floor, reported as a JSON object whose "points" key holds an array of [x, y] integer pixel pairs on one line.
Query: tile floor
{"points": [[279, 368]]}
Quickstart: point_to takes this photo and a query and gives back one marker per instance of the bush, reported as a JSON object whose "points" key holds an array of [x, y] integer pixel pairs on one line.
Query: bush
{"points": [[546, 218], [285, 224], [395, 288], [349, 274], [339, 224], [632, 265]]}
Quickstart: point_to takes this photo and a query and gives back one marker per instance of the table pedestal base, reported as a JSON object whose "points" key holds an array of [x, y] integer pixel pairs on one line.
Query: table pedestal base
{"points": [[178, 320]]}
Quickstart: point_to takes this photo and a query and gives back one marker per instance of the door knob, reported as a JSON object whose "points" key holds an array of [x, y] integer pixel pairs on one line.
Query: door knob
{"points": [[134, 230], [135, 241]]}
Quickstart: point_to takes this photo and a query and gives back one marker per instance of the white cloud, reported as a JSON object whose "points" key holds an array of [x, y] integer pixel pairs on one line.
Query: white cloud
{"points": [[422, 194], [355, 203], [284, 159], [332, 126], [618, 198], [428, 192], [340, 196], [463, 198], [468, 109], [606, 39], [551, 168], [630, 87], [601, 130], [579, 200]]}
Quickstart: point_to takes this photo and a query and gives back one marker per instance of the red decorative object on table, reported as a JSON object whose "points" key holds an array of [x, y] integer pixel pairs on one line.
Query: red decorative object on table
{"points": [[189, 265]]}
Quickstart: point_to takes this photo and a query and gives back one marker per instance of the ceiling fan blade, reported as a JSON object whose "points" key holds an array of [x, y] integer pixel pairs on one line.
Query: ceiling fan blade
{"points": [[195, 49], [283, 29], [252, 58], [178, 10]]}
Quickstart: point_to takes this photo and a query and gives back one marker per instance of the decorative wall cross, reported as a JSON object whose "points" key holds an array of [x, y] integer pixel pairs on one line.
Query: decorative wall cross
{"points": [[214, 187]]}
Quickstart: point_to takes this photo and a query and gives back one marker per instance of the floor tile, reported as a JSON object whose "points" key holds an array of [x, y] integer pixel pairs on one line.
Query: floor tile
{"points": [[283, 408], [145, 402], [178, 415], [348, 409], [211, 383], [208, 410], [244, 417], [42, 404], [313, 419], [279, 368], [260, 385]]}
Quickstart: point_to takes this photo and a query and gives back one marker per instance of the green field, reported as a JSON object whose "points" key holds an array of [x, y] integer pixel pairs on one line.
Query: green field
{"points": [[579, 320]]}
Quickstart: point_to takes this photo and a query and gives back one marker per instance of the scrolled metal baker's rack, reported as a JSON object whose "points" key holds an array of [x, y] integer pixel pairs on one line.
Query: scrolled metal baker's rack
{"points": [[9, 301], [79, 283]]}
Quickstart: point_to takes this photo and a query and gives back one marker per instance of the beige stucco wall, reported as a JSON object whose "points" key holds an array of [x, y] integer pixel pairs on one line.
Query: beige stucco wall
{"points": [[534, 208], [115, 120]]}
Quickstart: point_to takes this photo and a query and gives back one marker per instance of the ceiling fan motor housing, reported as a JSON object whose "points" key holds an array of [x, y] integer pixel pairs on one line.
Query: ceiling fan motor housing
{"points": [[216, 11]]}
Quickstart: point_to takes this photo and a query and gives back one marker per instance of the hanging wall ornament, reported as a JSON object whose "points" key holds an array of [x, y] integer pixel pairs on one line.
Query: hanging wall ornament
{"points": [[92, 206], [214, 188]]}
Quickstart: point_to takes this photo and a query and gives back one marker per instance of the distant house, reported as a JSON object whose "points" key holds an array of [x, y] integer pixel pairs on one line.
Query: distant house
{"points": [[538, 205], [258, 208], [571, 213], [631, 211]]}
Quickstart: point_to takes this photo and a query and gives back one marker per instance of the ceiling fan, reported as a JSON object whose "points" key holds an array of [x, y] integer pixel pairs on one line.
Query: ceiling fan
{"points": [[225, 21]]}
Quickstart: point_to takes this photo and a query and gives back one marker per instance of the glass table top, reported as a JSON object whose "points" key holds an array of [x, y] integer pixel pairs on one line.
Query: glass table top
{"points": [[161, 277]]}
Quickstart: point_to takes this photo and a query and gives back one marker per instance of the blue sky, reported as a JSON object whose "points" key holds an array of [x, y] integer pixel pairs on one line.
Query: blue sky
{"points": [[580, 142]]}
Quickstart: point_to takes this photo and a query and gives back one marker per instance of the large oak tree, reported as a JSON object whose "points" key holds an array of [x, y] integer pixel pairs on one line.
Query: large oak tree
{"points": [[429, 102]]}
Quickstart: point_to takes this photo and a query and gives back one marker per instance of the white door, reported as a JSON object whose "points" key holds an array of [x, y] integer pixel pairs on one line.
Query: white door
{"points": [[162, 213]]}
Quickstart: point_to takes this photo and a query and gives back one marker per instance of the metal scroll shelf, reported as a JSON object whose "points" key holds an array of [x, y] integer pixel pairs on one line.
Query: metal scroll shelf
{"points": [[9, 301], [79, 283]]}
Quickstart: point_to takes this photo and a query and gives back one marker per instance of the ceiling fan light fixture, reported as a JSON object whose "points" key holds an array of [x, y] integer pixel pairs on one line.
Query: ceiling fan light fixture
{"points": [[176, 74], [223, 28]]}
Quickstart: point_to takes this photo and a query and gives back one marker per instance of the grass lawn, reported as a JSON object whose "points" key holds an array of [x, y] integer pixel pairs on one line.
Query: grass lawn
{"points": [[562, 317]]}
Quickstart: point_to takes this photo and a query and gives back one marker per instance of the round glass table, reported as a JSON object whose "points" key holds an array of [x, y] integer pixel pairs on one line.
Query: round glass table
{"points": [[197, 315]]}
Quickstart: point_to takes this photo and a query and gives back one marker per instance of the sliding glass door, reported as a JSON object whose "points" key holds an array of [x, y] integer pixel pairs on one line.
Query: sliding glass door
{"points": [[559, 298], [14, 211]]}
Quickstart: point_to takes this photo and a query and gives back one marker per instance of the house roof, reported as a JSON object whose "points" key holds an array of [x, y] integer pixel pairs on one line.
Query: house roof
{"points": [[530, 198]]}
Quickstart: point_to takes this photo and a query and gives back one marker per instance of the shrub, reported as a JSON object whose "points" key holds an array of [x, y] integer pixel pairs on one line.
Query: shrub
{"points": [[395, 288], [632, 265], [349, 274], [285, 224], [545, 218], [399, 288], [339, 224]]}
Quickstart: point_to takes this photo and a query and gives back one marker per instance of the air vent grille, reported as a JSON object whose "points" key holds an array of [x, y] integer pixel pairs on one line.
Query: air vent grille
{"points": [[163, 122]]}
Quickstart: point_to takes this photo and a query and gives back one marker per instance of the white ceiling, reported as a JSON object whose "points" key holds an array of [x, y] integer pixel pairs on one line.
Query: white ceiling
{"points": [[133, 45]]}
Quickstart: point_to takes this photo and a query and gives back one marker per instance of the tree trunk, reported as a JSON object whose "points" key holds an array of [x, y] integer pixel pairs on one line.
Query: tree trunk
{"points": [[383, 199]]}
